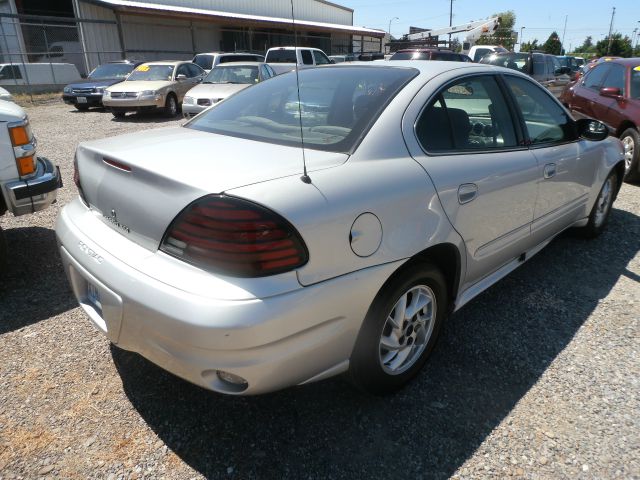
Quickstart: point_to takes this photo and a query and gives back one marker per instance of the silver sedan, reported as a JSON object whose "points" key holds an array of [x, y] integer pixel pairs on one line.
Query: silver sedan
{"points": [[301, 230]]}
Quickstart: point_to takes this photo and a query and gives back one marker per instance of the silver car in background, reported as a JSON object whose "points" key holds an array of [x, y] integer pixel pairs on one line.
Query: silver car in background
{"points": [[260, 246], [223, 81]]}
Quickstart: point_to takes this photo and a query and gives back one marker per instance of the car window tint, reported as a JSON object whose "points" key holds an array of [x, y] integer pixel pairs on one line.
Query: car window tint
{"points": [[470, 114], [615, 77], [307, 59], [545, 119], [321, 58], [336, 107], [204, 61], [182, 70], [539, 65], [281, 56], [596, 76], [635, 82], [265, 72]]}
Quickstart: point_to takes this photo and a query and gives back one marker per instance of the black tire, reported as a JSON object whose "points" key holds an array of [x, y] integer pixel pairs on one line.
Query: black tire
{"points": [[599, 215], [171, 106], [82, 108], [3, 253], [118, 113], [631, 141], [366, 364]]}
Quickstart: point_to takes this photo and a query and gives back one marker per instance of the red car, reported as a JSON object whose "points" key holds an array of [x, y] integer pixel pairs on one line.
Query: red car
{"points": [[610, 92]]}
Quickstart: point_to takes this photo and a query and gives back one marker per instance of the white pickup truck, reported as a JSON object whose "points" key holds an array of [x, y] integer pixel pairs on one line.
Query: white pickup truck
{"points": [[285, 59], [28, 183]]}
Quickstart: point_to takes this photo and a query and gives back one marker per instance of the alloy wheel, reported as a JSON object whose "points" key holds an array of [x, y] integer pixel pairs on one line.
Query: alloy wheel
{"points": [[629, 147], [603, 202]]}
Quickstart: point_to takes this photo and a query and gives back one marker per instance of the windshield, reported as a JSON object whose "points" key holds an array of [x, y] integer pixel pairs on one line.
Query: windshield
{"points": [[112, 70], [337, 105], [152, 72], [635, 82], [204, 61], [233, 74], [514, 61]]}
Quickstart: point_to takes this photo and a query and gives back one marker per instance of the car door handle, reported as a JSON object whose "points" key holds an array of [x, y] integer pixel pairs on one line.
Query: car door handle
{"points": [[550, 170], [467, 192]]}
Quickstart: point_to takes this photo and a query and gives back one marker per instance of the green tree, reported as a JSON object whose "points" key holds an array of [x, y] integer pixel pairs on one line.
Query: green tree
{"points": [[503, 34], [529, 46], [552, 45], [620, 47]]}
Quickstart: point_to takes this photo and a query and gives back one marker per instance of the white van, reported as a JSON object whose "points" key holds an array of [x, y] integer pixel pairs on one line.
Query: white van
{"points": [[285, 59], [39, 75]]}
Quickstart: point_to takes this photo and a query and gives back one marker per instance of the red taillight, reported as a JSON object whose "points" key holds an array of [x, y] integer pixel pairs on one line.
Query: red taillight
{"points": [[235, 237]]}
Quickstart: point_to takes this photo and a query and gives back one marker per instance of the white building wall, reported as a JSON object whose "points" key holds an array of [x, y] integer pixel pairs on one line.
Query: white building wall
{"points": [[311, 10]]}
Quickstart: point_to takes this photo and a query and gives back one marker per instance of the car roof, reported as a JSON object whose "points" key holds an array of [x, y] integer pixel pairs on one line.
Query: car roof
{"points": [[167, 62], [430, 69], [239, 64], [425, 49], [228, 53], [629, 62]]}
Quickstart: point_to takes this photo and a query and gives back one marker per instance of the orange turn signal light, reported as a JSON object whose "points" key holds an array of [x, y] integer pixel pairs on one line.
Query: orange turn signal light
{"points": [[19, 135], [26, 165]]}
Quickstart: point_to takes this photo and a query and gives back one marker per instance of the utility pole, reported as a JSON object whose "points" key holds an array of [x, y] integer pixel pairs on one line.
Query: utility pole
{"points": [[450, 19], [563, 33], [611, 30]]}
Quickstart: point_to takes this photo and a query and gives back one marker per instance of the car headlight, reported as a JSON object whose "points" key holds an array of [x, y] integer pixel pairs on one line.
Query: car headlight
{"points": [[188, 101], [106, 93], [100, 89], [67, 90], [148, 93]]}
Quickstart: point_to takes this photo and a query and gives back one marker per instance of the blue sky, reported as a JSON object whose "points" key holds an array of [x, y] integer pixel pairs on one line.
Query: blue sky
{"points": [[539, 17]]}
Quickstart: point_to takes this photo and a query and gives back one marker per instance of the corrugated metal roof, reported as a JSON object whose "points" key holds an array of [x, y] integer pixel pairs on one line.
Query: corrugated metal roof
{"points": [[129, 4]]}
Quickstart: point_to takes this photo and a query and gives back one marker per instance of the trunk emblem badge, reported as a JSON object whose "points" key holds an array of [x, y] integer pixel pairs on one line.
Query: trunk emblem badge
{"points": [[113, 219]]}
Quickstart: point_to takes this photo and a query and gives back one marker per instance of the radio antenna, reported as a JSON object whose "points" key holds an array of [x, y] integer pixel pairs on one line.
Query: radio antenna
{"points": [[305, 178]]}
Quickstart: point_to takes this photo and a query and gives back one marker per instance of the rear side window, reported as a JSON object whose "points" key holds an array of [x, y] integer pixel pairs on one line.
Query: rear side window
{"points": [[539, 65], [471, 114], [596, 76], [281, 56], [545, 119], [10, 72]]}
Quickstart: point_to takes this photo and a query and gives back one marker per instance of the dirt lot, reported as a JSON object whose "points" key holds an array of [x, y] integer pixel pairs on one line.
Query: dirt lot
{"points": [[539, 377]]}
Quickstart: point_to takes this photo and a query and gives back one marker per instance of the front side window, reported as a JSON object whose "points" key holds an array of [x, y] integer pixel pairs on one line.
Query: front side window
{"points": [[596, 76], [635, 82], [146, 72], [204, 61], [194, 70], [615, 78], [182, 70], [321, 58], [471, 114], [337, 106], [545, 119]]}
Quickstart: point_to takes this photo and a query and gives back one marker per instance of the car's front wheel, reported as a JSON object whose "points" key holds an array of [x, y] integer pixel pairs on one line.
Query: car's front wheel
{"points": [[599, 215], [400, 329], [171, 106], [3, 253], [630, 139]]}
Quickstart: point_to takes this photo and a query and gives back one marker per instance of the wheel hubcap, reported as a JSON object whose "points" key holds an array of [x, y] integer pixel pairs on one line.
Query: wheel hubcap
{"points": [[604, 202], [629, 147], [407, 330], [172, 105]]}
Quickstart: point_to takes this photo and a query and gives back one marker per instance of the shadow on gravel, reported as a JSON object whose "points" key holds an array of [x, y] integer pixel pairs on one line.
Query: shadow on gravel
{"points": [[147, 117], [34, 286], [490, 355]]}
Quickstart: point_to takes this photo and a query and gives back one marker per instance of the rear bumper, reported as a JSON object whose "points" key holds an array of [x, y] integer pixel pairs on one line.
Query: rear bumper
{"points": [[286, 339], [35, 193]]}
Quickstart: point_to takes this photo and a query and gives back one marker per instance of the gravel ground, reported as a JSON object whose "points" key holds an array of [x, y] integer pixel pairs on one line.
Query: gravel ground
{"points": [[536, 378]]}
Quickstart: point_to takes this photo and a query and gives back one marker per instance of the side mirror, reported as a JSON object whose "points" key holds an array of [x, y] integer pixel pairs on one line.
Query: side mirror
{"points": [[182, 76], [332, 61], [612, 92], [591, 129]]}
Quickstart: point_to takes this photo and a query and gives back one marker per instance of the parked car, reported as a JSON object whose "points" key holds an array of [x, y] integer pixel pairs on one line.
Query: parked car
{"points": [[610, 92], [5, 95], [28, 183], [223, 81], [542, 67], [151, 86], [571, 63], [249, 250], [88, 93], [370, 56], [44, 75], [478, 51], [429, 54], [343, 58], [285, 59], [207, 61]]}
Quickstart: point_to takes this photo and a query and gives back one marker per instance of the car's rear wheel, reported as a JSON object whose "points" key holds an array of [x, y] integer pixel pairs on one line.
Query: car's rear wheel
{"points": [[82, 108], [630, 139], [599, 215], [400, 329], [171, 106]]}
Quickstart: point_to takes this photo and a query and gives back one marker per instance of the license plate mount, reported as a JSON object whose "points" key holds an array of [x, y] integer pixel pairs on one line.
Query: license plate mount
{"points": [[82, 99], [93, 297]]}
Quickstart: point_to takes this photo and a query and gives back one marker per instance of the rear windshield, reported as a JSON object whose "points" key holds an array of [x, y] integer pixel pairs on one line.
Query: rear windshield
{"points": [[203, 61], [233, 74], [337, 106], [514, 61], [411, 56], [241, 58], [281, 56]]}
